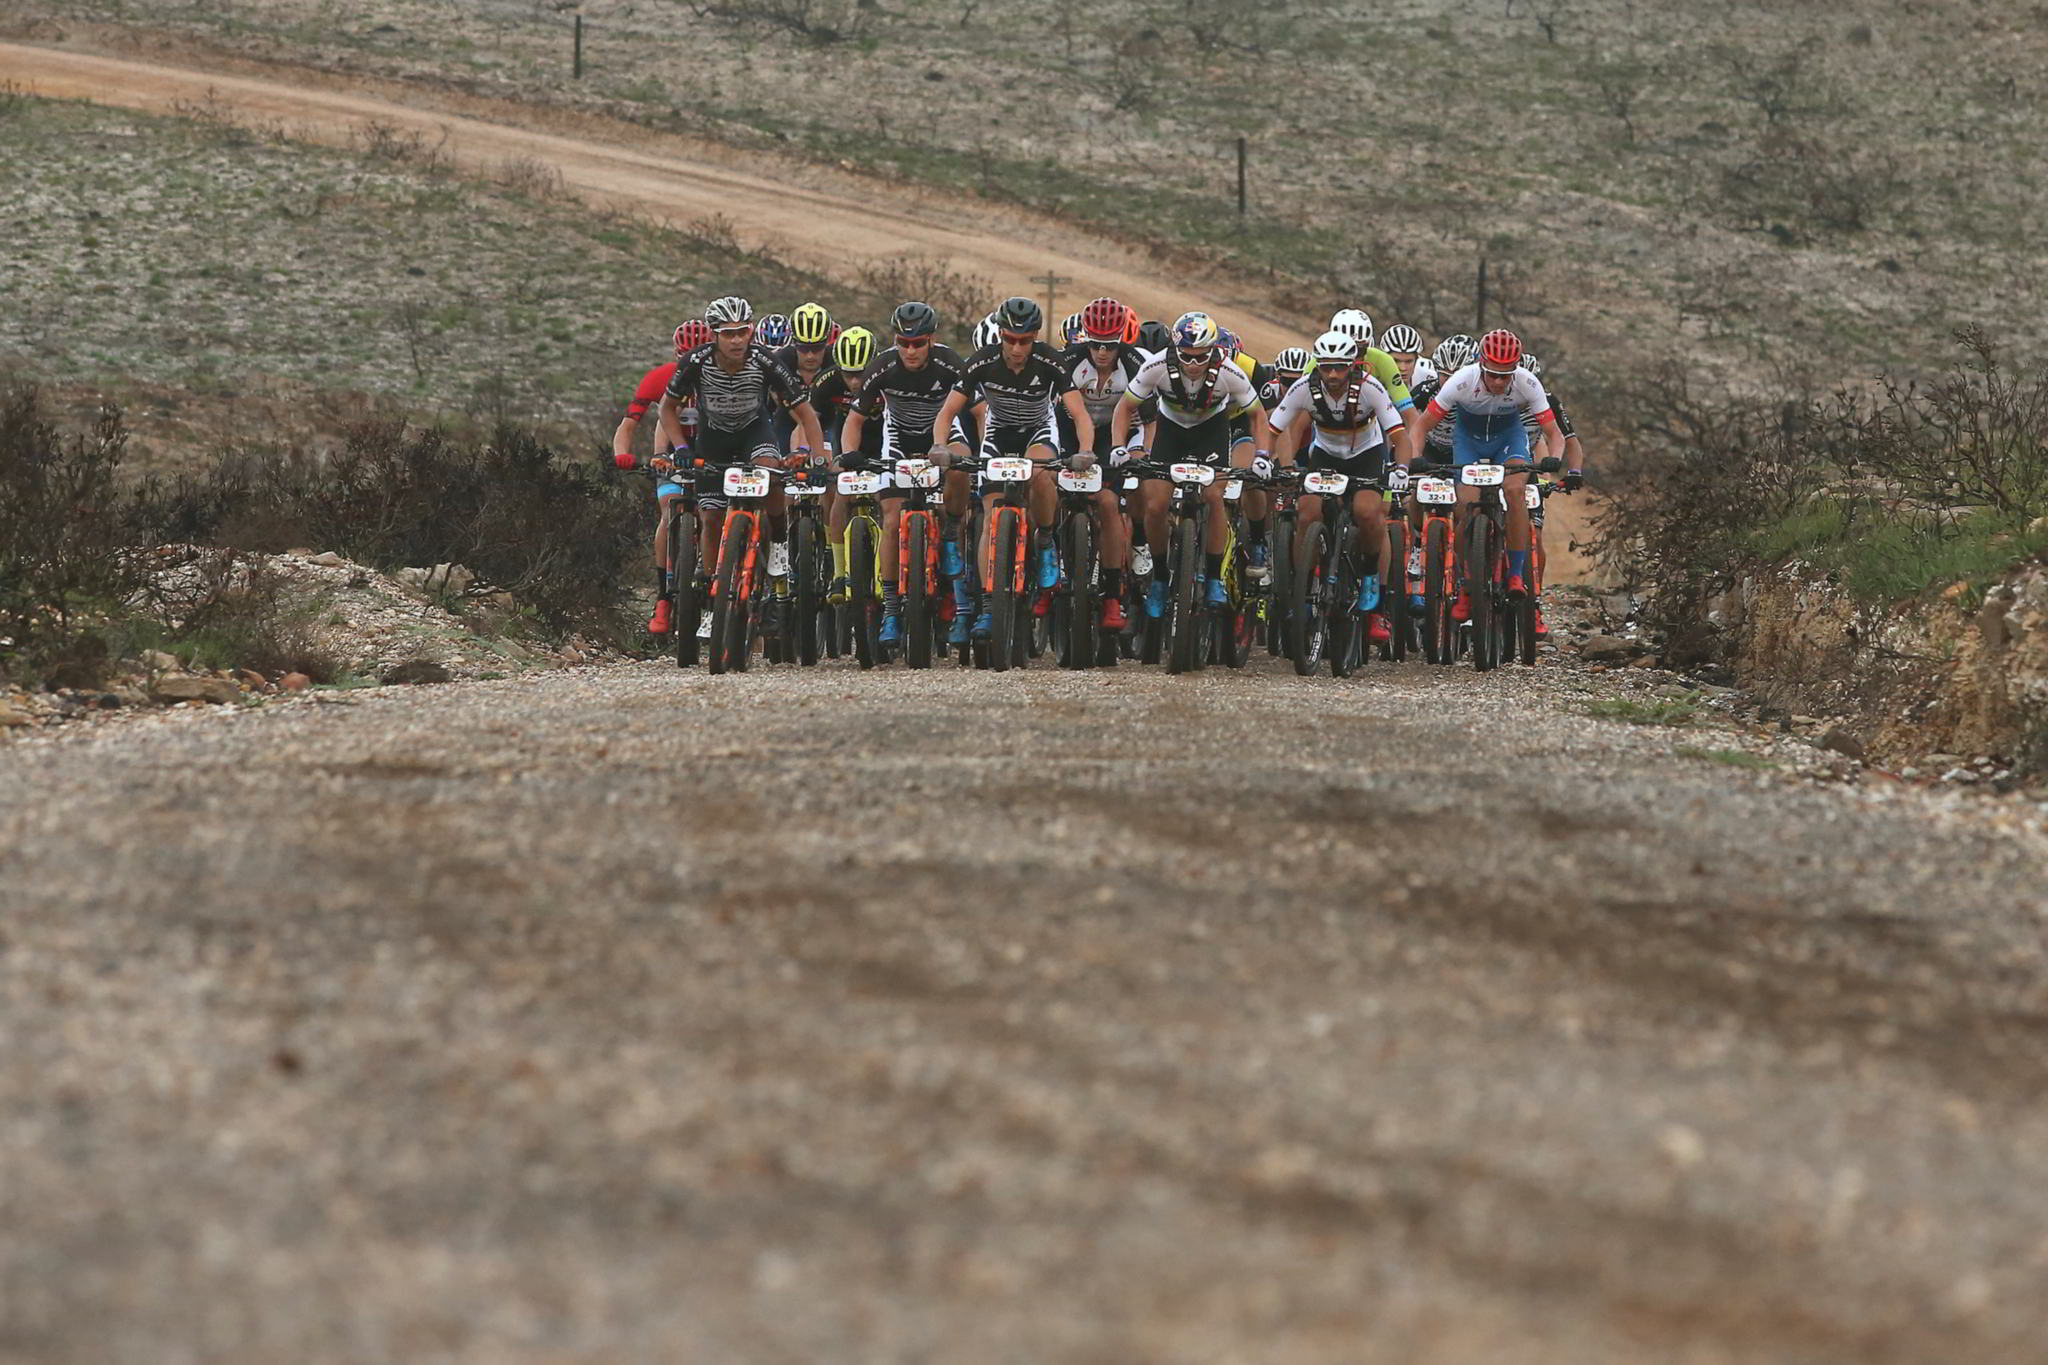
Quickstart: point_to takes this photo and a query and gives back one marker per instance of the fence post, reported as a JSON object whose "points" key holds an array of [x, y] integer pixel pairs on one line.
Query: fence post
{"points": [[579, 47], [1479, 321], [1240, 175]]}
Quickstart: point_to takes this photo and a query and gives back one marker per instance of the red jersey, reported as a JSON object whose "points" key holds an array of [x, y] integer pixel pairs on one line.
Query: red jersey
{"points": [[652, 386]]}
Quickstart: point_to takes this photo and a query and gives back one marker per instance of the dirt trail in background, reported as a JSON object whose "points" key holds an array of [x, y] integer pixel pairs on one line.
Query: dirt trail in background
{"points": [[830, 222]]}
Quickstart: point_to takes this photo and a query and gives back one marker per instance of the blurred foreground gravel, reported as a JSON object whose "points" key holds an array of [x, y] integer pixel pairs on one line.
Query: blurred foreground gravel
{"points": [[636, 1015]]}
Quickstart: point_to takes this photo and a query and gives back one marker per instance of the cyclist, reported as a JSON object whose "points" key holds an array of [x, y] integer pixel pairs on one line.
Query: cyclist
{"points": [[1486, 402], [738, 385], [1452, 354], [906, 386], [1100, 367], [1350, 426], [1357, 324], [834, 395], [1022, 381], [807, 355], [1196, 391], [1404, 344], [1574, 463], [668, 492], [1153, 339], [773, 331]]}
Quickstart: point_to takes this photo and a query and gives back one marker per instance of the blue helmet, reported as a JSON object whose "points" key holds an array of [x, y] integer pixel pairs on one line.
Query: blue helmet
{"points": [[773, 330], [1195, 331]]}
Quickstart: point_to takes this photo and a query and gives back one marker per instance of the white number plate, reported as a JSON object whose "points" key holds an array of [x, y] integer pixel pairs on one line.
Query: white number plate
{"points": [[804, 490], [1439, 492], [1482, 475], [746, 483], [1007, 469], [917, 474], [1130, 483], [1091, 482], [1233, 490], [1534, 496], [858, 483], [1323, 481], [1193, 473]]}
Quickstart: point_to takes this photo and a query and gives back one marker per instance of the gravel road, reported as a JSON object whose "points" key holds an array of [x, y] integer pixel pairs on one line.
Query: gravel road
{"points": [[629, 1014]]}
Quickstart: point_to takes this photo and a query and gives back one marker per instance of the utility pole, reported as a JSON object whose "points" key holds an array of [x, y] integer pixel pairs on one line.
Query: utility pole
{"points": [[1479, 323], [1051, 282], [1240, 175], [579, 47]]}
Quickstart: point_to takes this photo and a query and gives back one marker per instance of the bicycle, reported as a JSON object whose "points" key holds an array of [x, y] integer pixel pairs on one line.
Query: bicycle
{"points": [[1437, 496], [1322, 627], [684, 597], [1482, 560], [1076, 611], [810, 570], [735, 590], [1235, 627], [1179, 635], [861, 616], [1006, 563]]}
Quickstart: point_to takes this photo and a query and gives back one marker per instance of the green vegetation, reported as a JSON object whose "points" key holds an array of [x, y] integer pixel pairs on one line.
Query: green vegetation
{"points": [[1657, 711], [1733, 758]]}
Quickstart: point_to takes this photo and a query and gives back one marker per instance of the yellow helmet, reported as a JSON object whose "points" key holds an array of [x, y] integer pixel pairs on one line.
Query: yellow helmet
{"points": [[810, 324], [855, 349]]}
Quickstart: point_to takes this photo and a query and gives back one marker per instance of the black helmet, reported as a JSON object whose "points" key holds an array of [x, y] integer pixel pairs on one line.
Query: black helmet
{"points": [[1019, 314], [915, 319], [1153, 336]]}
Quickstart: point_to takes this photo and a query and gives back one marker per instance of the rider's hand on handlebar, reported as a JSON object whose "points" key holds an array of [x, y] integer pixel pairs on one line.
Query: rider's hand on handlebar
{"points": [[622, 459], [661, 464], [1262, 466], [1397, 478], [1082, 461], [1573, 480]]}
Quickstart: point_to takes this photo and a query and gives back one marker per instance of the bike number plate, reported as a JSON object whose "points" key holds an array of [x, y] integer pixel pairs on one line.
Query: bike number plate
{"points": [[917, 474], [1130, 483], [1483, 475], [1091, 482], [804, 490], [1323, 481], [1233, 490], [1533, 495], [746, 483], [1193, 473], [1007, 469], [859, 483], [1437, 492]]}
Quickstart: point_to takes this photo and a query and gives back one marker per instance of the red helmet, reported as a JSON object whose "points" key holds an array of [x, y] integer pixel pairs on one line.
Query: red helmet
{"points": [[1130, 326], [1103, 320], [692, 334], [1500, 351]]}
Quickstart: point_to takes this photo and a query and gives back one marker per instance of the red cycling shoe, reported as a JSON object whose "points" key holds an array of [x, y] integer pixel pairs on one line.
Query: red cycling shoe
{"points": [[660, 624], [1377, 630], [1113, 614]]}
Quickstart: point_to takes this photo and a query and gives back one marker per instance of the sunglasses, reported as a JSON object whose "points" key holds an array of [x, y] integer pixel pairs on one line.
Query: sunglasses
{"points": [[1014, 339], [732, 331], [912, 343], [812, 347], [1198, 357], [1334, 366]]}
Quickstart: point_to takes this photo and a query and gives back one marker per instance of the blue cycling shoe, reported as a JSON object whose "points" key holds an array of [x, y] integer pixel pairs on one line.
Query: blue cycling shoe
{"points": [[1219, 595], [984, 624], [1048, 568], [892, 628], [1369, 592], [1155, 599], [950, 562]]}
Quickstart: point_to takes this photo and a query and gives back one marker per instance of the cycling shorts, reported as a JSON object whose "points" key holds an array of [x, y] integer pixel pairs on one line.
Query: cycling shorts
{"points": [[1367, 467], [719, 450], [1206, 442], [1018, 440], [1496, 441]]}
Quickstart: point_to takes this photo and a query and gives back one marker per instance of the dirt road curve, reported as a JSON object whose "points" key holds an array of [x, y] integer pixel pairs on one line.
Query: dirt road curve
{"points": [[636, 1015]]}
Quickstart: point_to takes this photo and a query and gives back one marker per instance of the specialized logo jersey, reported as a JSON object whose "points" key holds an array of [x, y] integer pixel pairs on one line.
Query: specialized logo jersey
{"points": [[1188, 400], [1101, 388], [1352, 418], [730, 402], [910, 399], [1017, 400], [1464, 397]]}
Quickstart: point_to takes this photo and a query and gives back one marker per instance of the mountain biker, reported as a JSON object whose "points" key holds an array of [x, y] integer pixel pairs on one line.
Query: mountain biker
{"points": [[1347, 421], [906, 386], [1486, 402], [1021, 380], [807, 355], [1196, 392], [1100, 367], [773, 331], [1436, 451], [1357, 324], [834, 395], [668, 492], [1574, 463], [1404, 344], [1153, 339], [739, 385]]}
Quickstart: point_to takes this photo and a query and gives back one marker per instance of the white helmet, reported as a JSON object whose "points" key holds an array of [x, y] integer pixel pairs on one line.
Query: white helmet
{"points": [[987, 332], [1532, 365], [1424, 372], [1454, 353], [730, 310], [1354, 323], [1293, 360], [1403, 338], [1333, 346]]}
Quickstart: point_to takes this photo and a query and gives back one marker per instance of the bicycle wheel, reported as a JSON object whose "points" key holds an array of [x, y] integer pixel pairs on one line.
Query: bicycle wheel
{"points": [[1006, 542], [1480, 564], [1306, 626], [1280, 559], [860, 572], [1524, 613], [1340, 605], [1083, 611], [729, 588], [1185, 640], [1438, 628], [913, 571], [805, 570], [682, 564], [1394, 588]]}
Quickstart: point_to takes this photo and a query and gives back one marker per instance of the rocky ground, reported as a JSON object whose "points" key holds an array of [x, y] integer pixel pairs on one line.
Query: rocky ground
{"points": [[628, 1013]]}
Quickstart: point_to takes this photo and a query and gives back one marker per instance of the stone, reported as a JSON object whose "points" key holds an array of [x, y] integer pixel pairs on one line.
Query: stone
{"points": [[1842, 742], [217, 691], [157, 661], [414, 671], [1607, 649], [10, 718], [295, 682], [326, 560], [249, 677]]}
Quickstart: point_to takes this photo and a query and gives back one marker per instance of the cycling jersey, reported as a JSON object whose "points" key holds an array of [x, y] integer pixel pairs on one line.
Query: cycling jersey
{"points": [[1564, 421], [652, 385], [1437, 447], [1099, 389], [1018, 400], [1381, 366], [1186, 401], [1357, 417], [735, 403], [1488, 426], [909, 400], [834, 399]]}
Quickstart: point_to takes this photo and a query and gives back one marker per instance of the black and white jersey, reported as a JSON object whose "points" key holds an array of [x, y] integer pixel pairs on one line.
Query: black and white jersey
{"points": [[1533, 424], [732, 402], [910, 399], [1438, 449], [1101, 388], [1018, 400]]}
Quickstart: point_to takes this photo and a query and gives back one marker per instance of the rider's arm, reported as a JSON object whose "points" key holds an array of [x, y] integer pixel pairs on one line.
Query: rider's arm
{"points": [[851, 430], [622, 439], [1120, 421], [671, 421], [807, 419], [949, 413], [1084, 425]]}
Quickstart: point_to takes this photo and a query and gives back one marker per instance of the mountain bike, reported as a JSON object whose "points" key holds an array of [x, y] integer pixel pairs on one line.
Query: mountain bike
{"points": [[1181, 636], [1280, 523], [1482, 561], [917, 558], [1006, 563], [1438, 497], [736, 587], [1323, 587], [861, 616], [1076, 611], [1234, 628], [685, 601], [805, 621]]}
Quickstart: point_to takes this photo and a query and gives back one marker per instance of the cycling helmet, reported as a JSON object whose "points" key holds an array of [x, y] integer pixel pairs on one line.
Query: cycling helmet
{"points": [[773, 330], [810, 324], [1153, 337], [1019, 314], [1070, 329], [854, 349], [1532, 365], [1194, 331], [915, 319], [1454, 353], [1354, 323], [1227, 339], [1103, 320], [1500, 351], [1292, 361], [1423, 373], [729, 311], [692, 334], [1401, 338], [1130, 326], [1334, 346], [987, 333]]}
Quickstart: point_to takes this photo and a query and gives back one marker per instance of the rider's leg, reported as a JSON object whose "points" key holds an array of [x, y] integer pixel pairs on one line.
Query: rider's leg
{"points": [[892, 524], [1369, 526]]}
